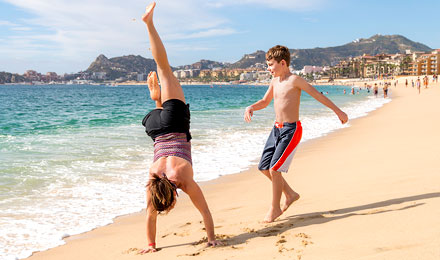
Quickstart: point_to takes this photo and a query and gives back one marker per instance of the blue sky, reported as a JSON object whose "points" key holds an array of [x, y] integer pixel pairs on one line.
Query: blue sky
{"points": [[66, 35]]}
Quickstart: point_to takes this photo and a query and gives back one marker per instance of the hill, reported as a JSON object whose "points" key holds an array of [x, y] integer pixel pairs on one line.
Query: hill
{"points": [[124, 66], [204, 64], [6, 77], [331, 55]]}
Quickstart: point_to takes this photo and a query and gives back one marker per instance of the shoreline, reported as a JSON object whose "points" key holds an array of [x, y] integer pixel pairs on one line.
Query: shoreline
{"points": [[176, 228]]}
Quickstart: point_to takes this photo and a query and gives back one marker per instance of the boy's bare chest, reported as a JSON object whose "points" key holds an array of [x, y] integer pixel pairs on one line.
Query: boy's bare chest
{"points": [[286, 92]]}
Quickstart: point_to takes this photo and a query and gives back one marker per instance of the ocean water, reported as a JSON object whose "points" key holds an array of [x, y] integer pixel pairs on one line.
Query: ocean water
{"points": [[73, 157]]}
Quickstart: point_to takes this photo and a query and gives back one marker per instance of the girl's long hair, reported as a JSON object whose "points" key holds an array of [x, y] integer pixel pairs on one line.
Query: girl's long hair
{"points": [[161, 193]]}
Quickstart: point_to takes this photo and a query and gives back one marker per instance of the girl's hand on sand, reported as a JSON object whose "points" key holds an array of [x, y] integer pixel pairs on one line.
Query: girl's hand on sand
{"points": [[248, 113], [148, 250]]}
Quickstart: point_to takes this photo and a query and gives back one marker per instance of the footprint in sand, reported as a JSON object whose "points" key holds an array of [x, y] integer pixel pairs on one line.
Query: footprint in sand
{"points": [[280, 244], [281, 241], [233, 208], [220, 237], [248, 230], [135, 251], [186, 224], [182, 234], [303, 235], [130, 250], [269, 232], [193, 254], [305, 239]]}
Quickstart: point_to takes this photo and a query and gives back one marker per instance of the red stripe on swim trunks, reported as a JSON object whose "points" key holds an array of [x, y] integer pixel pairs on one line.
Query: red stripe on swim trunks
{"points": [[290, 147]]}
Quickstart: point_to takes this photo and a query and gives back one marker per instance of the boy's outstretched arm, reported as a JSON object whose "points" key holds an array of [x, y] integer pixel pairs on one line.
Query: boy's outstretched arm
{"points": [[304, 85], [260, 104]]}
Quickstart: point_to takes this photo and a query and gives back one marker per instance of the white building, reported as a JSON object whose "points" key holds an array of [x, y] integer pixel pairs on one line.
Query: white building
{"points": [[264, 76], [248, 76], [141, 77], [181, 74], [98, 75], [311, 69]]}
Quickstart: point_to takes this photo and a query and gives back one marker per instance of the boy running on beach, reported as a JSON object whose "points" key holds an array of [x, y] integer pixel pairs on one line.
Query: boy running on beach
{"points": [[285, 88]]}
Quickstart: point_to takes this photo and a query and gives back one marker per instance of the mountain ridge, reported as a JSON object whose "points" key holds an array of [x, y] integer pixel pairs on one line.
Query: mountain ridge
{"points": [[128, 66]]}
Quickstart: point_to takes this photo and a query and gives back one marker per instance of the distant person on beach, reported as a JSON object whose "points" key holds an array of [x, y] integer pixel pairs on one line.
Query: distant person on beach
{"points": [[418, 84], [385, 90], [406, 83], [426, 81], [412, 83], [285, 88], [375, 90], [168, 125]]}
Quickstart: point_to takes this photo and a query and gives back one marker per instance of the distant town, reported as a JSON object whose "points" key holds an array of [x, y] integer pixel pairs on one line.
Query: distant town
{"points": [[379, 56], [365, 66]]}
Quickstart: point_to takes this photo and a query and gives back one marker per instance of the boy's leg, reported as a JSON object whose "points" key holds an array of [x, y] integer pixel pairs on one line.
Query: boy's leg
{"points": [[291, 195], [171, 88], [277, 187]]}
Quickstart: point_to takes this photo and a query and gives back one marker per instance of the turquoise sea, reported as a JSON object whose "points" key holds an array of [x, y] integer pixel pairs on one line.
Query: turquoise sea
{"points": [[73, 157]]}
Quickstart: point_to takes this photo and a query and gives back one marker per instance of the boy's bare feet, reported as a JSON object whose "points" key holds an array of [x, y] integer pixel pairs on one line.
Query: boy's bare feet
{"points": [[153, 86], [148, 16], [272, 215], [291, 198]]}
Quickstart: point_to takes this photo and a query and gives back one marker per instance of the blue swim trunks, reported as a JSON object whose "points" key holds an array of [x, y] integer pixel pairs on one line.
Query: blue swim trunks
{"points": [[281, 146]]}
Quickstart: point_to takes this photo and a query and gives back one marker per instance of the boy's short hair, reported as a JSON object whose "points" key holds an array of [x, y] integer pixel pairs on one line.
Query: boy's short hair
{"points": [[279, 53]]}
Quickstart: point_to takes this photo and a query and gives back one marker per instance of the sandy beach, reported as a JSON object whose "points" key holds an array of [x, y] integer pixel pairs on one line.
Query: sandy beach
{"points": [[369, 191]]}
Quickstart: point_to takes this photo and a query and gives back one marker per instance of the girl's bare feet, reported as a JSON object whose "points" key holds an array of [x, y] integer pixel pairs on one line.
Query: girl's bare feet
{"points": [[153, 86], [148, 16]]}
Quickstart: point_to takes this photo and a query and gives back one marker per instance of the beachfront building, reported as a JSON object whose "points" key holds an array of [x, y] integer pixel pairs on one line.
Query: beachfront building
{"points": [[381, 65], [259, 66], [99, 75], [311, 69], [367, 66], [189, 73], [205, 74], [141, 77], [234, 73], [248, 76], [51, 77], [32, 75], [218, 73], [434, 63], [348, 68], [264, 76], [426, 64]]}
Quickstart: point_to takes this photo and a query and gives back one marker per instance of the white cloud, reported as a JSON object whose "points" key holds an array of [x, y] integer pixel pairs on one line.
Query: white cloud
{"points": [[291, 5], [86, 28], [202, 34], [7, 23], [82, 29], [21, 28]]}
